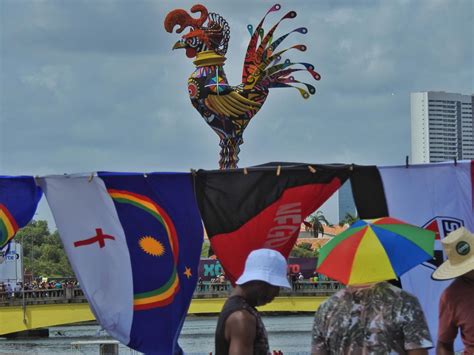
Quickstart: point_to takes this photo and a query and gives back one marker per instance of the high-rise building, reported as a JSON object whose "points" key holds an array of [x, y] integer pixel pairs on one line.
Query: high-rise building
{"points": [[346, 201], [442, 126]]}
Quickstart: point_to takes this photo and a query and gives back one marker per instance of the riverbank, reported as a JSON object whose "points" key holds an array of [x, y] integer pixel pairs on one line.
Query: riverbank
{"points": [[290, 334], [53, 314]]}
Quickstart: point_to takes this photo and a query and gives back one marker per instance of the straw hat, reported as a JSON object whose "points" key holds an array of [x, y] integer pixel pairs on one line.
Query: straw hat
{"points": [[459, 247], [265, 265]]}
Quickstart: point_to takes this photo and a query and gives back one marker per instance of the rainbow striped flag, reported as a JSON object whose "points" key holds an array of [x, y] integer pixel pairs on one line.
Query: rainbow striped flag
{"points": [[164, 235], [134, 242], [19, 197]]}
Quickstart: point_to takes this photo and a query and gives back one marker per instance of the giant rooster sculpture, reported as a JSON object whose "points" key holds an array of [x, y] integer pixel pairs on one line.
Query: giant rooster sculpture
{"points": [[228, 109]]}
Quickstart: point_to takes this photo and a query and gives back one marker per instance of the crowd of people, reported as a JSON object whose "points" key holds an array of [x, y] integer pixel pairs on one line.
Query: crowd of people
{"points": [[218, 283], [10, 290], [297, 282]]}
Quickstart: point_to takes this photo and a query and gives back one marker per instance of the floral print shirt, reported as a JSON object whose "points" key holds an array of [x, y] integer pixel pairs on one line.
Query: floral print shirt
{"points": [[376, 319]]}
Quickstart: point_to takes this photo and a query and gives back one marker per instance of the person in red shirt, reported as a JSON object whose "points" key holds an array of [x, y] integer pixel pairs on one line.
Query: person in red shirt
{"points": [[456, 306]]}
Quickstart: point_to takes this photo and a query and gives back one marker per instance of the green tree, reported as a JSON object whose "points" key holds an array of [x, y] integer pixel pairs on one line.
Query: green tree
{"points": [[33, 235], [43, 252], [348, 219], [304, 250], [306, 246], [316, 220], [298, 252], [205, 249]]}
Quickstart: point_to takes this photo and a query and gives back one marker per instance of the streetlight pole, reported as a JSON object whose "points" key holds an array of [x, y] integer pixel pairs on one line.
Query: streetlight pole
{"points": [[23, 301]]}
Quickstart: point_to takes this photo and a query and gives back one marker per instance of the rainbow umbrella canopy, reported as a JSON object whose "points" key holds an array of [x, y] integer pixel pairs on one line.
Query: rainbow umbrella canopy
{"points": [[375, 250]]}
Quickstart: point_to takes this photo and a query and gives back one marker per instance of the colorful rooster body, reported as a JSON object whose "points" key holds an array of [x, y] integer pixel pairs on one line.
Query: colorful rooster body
{"points": [[229, 109]]}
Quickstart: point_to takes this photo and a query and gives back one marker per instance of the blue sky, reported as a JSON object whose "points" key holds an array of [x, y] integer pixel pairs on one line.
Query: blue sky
{"points": [[94, 85]]}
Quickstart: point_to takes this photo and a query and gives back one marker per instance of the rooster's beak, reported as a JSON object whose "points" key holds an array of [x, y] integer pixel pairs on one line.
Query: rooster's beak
{"points": [[179, 44]]}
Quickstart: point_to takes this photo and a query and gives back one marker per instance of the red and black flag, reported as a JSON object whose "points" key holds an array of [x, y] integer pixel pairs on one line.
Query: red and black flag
{"points": [[261, 206]]}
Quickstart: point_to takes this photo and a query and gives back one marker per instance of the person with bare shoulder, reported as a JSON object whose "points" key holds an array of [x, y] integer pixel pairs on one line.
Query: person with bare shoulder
{"points": [[240, 330], [456, 305]]}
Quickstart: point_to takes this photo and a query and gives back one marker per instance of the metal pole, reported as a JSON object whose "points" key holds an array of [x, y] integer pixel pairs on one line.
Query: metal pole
{"points": [[25, 321], [16, 261]]}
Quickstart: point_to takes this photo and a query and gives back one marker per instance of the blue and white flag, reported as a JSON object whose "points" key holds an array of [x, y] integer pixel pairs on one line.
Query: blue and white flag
{"points": [[437, 197], [134, 242]]}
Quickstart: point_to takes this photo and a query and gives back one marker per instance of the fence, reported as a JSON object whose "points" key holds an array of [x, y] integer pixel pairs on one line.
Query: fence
{"points": [[203, 290], [42, 296], [299, 288]]}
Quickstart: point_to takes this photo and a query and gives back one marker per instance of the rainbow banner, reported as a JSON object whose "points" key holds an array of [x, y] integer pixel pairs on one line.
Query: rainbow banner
{"points": [[19, 197], [134, 242], [164, 294], [159, 216]]}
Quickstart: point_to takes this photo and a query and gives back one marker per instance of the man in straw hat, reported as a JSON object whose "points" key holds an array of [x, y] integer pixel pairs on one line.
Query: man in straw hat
{"points": [[456, 306], [240, 329]]}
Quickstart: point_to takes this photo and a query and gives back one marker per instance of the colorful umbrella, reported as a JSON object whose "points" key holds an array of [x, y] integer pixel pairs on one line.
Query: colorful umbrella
{"points": [[375, 250]]}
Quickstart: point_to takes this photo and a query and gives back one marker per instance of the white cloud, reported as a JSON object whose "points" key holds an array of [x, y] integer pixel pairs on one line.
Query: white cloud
{"points": [[94, 85], [54, 78]]}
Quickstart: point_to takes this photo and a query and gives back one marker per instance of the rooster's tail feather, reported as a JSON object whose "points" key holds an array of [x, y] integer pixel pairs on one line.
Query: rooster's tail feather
{"points": [[250, 55], [283, 84], [262, 64], [267, 39], [276, 43]]}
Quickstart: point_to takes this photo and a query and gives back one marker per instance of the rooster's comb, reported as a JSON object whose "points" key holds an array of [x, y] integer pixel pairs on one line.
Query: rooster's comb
{"points": [[183, 19]]}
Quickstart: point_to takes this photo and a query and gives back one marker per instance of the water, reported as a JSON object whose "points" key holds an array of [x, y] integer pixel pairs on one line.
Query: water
{"points": [[290, 334]]}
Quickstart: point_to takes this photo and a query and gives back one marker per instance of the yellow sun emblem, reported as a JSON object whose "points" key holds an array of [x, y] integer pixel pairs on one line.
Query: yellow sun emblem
{"points": [[188, 272], [151, 246]]}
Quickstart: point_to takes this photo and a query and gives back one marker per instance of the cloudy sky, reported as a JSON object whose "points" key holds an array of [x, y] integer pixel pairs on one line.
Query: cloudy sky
{"points": [[94, 85]]}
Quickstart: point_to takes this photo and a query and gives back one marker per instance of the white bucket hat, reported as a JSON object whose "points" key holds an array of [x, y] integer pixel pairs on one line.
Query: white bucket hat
{"points": [[265, 265], [459, 247]]}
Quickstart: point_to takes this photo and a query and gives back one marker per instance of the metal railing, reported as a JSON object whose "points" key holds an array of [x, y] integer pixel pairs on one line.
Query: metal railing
{"points": [[42, 296], [203, 290], [299, 288]]}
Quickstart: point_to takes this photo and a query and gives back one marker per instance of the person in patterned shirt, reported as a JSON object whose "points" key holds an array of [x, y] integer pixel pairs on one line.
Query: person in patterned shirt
{"points": [[370, 319]]}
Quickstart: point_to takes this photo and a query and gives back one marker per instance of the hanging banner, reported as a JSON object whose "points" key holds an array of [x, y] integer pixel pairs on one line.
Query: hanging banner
{"points": [[11, 264], [134, 242], [437, 197], [261, 207], [19, 197]]}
